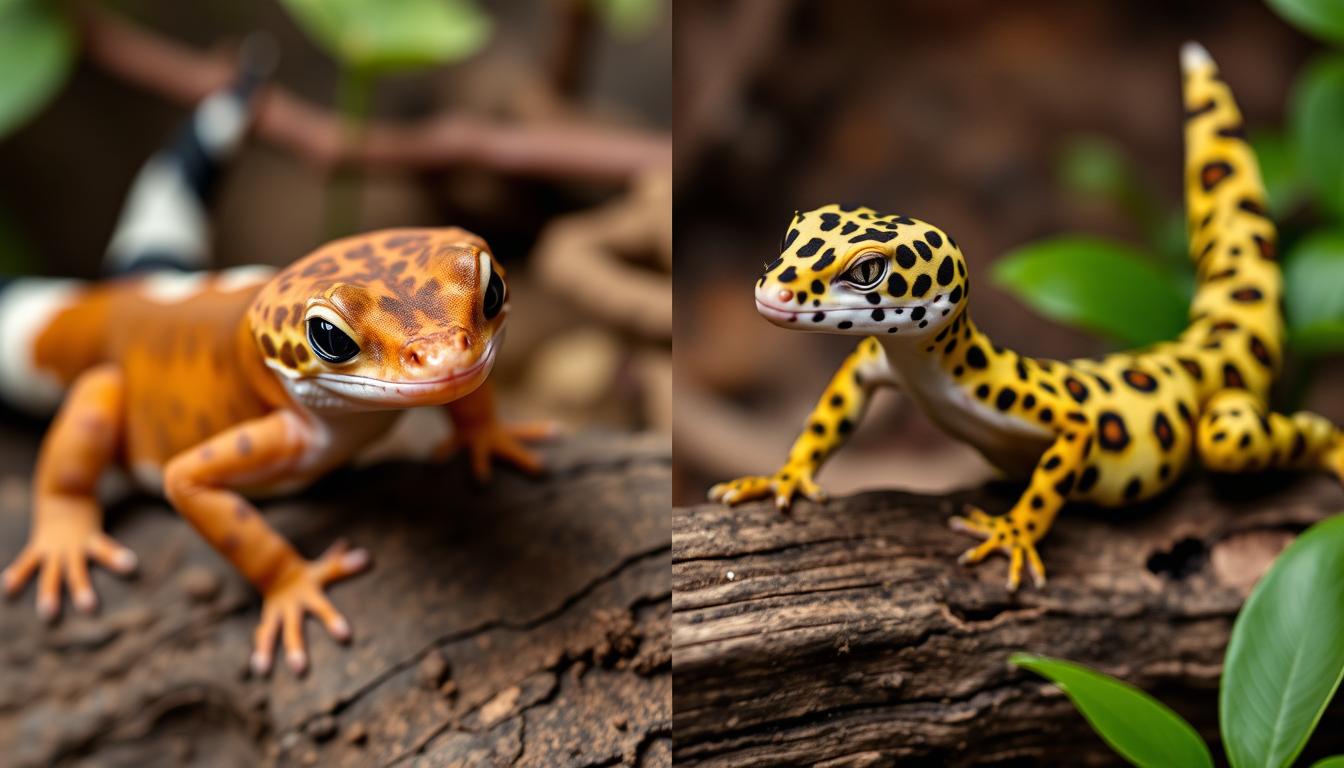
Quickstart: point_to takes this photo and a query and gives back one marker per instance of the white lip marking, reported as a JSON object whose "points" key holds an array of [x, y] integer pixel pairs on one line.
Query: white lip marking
{"points": [[344, 388]]}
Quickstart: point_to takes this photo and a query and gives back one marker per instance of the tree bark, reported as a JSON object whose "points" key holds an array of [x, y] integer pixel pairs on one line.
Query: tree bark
{"points": [[847, 634], [523, 623]]}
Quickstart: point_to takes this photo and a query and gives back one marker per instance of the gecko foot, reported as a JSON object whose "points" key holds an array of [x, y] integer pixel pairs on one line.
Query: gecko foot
{"points": [[297, 592], [1000, 535], [66, 537], [788, 482], [493, 439]]}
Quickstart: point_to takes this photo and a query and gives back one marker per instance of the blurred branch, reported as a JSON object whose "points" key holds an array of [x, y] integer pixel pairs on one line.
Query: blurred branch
{"points": [[590, 258], [177, 72]]}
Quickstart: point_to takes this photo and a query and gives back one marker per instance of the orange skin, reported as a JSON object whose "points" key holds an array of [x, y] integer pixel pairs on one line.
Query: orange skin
{"points": [[208, 387]]}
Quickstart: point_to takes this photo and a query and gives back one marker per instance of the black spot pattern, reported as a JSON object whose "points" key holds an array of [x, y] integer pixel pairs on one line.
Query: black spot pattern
{"points": [[1112, 435], [1260, 352], [1005, 399], [1162, 430], [975, 357], [921, 286], [1087, 479], [945, 271], [905, 257], [1214, 172], [824, 261], [788, 275], [896, 285], [1077, 389], [1133, 488], [872, 234], [935, 239], [809, 249], [1139, 380]]}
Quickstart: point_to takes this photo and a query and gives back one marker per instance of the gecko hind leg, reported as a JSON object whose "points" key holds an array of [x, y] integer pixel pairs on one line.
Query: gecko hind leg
{"points": [[1237, 433]]}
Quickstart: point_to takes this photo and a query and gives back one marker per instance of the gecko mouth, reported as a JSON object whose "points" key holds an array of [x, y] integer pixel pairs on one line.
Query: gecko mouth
{"points": [[397, 393], [895, 313]]}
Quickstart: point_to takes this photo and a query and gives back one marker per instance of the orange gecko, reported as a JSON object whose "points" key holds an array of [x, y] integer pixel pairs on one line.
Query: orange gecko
{"points": [[219, 387]]}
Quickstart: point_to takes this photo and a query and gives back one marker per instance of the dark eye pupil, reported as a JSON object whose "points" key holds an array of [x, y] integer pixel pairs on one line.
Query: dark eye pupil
{"points": [[865, 272], [329, 342], [494, 296]]}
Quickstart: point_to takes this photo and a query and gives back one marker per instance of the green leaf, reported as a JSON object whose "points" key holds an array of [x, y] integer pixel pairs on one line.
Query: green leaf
{"points": [[37, 51], [383, 36], [1281, 171], [1284, 659], [1317, 339], [1095, 166], [1316, 121], [1140, 728], [1313, 279], [1322, 18], [1329, 762], [1096, 284], [629, 18]]}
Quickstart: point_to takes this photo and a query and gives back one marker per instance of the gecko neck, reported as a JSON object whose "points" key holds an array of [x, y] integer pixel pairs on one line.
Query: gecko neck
{"points": [[261, 378], [945, 349]]}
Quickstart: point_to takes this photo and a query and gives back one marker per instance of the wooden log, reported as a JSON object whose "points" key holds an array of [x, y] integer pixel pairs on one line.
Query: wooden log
{"points": [[847, 634], [524, 623]]}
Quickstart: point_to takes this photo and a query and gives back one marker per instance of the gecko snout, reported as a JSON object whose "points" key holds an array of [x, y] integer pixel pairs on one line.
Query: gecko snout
{"points": [[437, 354]]}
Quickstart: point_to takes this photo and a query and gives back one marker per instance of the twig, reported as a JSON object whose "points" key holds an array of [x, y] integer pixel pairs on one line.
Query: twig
{"points": [[568, 151]]}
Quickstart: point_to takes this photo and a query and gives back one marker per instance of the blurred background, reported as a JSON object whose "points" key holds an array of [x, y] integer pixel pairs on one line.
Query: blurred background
{"points": [[1046, 136], [542, 125]]}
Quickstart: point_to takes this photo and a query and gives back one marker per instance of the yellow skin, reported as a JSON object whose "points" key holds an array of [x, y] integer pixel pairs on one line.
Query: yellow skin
{"points": [[1112, 431], [216, 388]]}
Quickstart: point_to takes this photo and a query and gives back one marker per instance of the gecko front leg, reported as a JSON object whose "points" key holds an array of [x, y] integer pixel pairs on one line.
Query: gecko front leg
{"points": [[1016, 533], [67, 521], [198, 482], [828, 427], [478, 431]]}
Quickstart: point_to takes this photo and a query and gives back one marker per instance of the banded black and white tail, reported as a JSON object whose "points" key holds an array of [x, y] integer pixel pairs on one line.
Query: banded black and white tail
{"points": [[164, 224]]}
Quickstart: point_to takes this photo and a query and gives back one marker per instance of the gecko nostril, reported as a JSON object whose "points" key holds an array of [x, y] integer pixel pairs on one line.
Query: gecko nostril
{"points": [[785, 294]]}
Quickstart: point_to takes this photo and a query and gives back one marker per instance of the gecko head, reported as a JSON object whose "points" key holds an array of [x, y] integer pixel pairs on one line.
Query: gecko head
{"points": [[846, 269], [389, 319]]}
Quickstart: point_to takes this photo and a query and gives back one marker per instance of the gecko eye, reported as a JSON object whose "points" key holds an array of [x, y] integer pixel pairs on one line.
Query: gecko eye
{"points": [[867, 273], [329, 342], [493, 301]]}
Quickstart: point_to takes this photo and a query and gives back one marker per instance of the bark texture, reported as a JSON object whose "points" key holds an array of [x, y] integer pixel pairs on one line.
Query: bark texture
{"points": [[525, 623], [847, 635]]}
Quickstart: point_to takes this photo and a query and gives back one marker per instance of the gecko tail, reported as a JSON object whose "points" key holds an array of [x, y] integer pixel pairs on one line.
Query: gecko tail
{"points": [[1239, 287], [165, 223]]}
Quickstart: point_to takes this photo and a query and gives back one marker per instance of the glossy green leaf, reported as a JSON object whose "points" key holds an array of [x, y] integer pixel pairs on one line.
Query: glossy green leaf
{"points": [[1096, 284], [37, 51], [629, 18], [383, 36], [1330, 762], [1322, 18], [1281, 171], [1316, 122], [1140, 728], [1285, 659], [1313, 279]]}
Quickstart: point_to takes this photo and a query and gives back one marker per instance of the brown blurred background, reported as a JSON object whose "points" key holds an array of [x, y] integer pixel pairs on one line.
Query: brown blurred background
{"points": [[553, 65], [953, 112]]}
